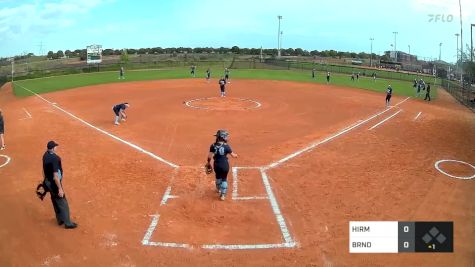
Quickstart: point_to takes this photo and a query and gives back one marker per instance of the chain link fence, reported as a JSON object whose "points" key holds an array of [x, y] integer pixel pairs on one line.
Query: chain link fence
{"points": [[464, 93]]}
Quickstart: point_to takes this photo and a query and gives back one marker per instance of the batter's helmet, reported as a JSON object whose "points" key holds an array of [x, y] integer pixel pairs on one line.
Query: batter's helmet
{"points": [[222, 134]]}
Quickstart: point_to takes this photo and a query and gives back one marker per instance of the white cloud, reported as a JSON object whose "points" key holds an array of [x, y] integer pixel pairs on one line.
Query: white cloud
{"points": [[27, 19]]}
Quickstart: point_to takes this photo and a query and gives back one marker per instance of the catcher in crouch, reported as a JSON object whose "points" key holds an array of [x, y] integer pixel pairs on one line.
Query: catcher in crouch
{"points": [[219, 151]]}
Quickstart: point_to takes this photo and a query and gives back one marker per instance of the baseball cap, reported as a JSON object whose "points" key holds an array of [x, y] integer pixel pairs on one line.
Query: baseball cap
{"points": [[51, 144]]}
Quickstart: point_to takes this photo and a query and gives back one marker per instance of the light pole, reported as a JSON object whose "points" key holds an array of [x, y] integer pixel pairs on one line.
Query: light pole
{"points": [[440, 51], [461, 42], [409, 49], [371, 54], [12, 60], [279, 17], [395, 49], [457, 62], [281, 34], [471, 41]]}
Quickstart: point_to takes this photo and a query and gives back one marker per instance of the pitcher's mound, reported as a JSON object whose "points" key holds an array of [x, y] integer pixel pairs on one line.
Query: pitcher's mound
{"points": [[223, 103]]}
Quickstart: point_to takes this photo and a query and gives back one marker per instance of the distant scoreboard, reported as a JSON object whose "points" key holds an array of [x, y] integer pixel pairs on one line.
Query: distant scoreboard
{"points": [[94, 54], [401, 237]]}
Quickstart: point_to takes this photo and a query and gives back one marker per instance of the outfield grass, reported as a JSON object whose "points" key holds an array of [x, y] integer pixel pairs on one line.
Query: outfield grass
{"points": [[50, 84]]}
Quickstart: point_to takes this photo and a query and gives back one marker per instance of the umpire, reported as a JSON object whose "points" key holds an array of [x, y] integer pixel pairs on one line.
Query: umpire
{"points": [[53, 172], [427, 92]]}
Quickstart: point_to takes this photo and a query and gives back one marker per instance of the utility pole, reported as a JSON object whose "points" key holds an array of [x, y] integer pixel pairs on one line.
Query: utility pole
{"points": [[395, 49], [279, 17], [371, 54]]}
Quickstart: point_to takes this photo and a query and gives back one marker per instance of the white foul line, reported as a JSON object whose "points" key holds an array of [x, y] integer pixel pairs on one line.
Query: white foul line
{"points": [[104, 132], [344, 131], [417, 115], [383, 121], [27, 113]]}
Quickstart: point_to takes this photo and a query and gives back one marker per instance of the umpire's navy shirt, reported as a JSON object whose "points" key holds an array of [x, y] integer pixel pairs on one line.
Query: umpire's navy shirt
{"points": [[52, 164]]}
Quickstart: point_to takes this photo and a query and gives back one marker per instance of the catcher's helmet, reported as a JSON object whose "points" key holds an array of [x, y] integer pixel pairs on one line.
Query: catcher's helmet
{"points": [[222, 134]]}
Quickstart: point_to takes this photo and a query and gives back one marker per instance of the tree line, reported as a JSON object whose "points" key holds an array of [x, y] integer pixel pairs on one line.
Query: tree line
{"points": [[81, 53]]}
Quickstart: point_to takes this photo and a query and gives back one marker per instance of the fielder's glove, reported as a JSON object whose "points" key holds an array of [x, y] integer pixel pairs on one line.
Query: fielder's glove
{"points": [[208, 168]]}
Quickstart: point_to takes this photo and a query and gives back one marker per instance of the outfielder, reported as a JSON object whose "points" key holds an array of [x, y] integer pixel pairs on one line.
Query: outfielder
{"points": [[208, 74], [226, 75], [121, 73], [119, 111], [219, 151], [193, 68]]}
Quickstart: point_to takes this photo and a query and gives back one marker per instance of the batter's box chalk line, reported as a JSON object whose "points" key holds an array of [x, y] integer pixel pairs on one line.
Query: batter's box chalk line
{"points": [[288, 241]]}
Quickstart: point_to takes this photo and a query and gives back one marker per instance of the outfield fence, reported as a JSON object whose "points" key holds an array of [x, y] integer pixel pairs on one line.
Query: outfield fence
{"points": [[322, 68], [74, 66]]}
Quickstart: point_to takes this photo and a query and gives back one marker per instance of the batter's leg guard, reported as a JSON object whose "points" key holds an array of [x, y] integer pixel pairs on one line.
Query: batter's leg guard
{"points": [[224, 187], [218, 185]]}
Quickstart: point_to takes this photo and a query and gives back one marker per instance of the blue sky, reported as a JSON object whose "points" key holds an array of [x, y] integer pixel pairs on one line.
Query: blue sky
{"points": [[309, 24]]}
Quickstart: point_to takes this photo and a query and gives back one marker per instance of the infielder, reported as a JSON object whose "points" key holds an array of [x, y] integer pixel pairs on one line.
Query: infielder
{"points": [[219, 151], [222, 86], [119, 111], [389, 93]]}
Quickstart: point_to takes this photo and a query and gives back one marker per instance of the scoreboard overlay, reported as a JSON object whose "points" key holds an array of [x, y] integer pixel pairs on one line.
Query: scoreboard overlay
{"points": [[400, 237]]}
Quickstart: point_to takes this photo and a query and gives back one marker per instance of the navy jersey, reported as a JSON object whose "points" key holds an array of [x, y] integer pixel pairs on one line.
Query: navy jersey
{"points": [[389, 91], [220, 152], [119, 107], [222, 83], [52, 164]]}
